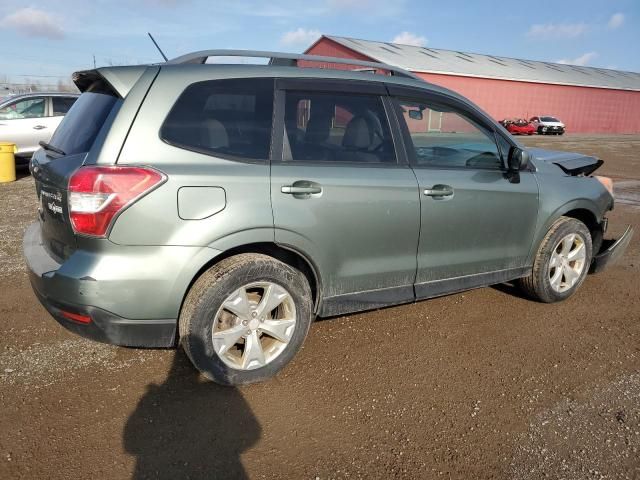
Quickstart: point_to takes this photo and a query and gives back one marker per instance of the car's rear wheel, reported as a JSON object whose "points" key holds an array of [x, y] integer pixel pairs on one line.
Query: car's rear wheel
{"points": [[562, 262], [245, 318]]}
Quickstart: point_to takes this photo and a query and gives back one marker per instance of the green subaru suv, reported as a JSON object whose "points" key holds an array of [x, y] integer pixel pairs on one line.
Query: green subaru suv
{"points": [[225, 207]]}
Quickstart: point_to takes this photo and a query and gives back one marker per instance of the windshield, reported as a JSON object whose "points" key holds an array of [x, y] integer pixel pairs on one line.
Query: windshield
{"points": [[549, 119], [81, 124]]}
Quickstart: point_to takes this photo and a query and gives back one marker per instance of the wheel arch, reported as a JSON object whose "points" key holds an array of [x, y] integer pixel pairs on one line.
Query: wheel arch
{"points": [[284, 253], [594, 225], [583, 210]]}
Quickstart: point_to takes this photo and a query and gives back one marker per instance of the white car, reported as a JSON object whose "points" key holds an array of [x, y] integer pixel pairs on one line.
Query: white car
{"points": [[31, 118], [548, 125]]}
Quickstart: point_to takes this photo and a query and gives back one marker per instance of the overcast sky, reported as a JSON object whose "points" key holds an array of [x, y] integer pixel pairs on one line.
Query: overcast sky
{"points": [[54, 38]]}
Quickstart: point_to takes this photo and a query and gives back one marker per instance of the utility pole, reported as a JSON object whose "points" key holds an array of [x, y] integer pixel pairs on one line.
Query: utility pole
{"points": [[94, 61]]}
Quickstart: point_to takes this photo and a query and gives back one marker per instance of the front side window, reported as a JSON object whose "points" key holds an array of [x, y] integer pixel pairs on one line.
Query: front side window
{"points": [[444, 138], [330, 127], [29, 108], [223, 117]]}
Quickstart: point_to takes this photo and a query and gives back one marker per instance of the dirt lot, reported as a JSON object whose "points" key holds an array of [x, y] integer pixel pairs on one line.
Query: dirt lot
{"points": [[483, 384]]}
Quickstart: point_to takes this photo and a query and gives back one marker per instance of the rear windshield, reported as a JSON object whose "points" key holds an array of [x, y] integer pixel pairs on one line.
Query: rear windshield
{"points": [[80, 126], [549, 119]]}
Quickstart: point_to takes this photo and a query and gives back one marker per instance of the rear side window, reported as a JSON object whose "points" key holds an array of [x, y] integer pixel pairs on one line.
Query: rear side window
{"points": [[329, 127], [224, 118], [80, 126], [61, 105]]}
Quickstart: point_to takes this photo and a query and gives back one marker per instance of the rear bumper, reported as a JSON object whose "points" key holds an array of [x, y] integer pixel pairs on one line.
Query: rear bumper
{"points": [[109, 328], [132, 294], [611, 251]]}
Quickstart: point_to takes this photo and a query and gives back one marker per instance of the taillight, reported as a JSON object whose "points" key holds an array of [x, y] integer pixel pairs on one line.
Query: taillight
{"points": [[98, 194]]}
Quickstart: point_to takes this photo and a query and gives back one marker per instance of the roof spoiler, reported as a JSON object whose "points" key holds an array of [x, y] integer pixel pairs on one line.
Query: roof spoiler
{"points": [[120, 79], [289, 60]]}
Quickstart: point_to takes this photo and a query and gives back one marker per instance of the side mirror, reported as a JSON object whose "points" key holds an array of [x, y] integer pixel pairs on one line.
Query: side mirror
{"points": [[518, 160], [415, 114]]}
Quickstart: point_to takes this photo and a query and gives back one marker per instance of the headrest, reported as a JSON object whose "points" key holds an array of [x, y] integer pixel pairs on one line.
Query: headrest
{"points": [[214, 134], [357, 134], [318, 129]]}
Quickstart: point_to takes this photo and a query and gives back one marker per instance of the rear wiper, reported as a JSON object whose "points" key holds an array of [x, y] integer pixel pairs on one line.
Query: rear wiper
{"points": [[51, 148]]}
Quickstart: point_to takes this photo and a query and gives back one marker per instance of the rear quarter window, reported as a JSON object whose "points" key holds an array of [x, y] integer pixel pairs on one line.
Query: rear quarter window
{"points": [[228, 118]]}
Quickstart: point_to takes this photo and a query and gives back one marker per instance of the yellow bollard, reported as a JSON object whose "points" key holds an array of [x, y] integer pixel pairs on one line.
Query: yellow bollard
{"points": [[7, 162]]}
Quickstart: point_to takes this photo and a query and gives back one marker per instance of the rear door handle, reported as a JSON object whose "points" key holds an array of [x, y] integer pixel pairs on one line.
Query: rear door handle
{"points": [[39, 127], [439, 191], [298, 190]]}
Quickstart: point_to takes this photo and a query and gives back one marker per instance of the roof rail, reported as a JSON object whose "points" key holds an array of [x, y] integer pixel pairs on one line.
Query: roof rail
{"points": [[288, 60]]}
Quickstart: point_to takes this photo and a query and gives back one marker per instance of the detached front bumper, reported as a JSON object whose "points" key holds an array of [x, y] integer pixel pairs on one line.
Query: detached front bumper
{"points": [[611, 251]]}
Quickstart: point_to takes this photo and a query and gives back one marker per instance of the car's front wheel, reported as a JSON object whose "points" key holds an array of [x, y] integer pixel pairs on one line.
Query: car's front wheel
{"points": [[562, 262], [245, 318]]}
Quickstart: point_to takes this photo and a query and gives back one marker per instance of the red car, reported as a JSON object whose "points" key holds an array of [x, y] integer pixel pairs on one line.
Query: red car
{"points": [[518, 126]]}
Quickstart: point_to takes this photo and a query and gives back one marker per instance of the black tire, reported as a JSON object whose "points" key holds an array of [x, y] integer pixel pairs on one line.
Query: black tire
{"points": [[213, 287], [537, 285]]}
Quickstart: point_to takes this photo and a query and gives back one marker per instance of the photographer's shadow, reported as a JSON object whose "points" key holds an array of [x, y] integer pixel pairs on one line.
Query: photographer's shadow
{"points": [[190, 428]]}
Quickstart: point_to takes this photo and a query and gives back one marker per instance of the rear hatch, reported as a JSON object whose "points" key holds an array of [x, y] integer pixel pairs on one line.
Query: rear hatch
{"points": [[53, 165]]}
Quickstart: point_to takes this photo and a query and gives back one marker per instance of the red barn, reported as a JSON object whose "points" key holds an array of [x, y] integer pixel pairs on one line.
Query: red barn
{"points": [[586, 99]]}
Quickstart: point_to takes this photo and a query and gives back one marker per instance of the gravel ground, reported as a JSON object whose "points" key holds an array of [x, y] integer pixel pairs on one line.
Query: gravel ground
{"points": [[483, 384], [17, 211]]}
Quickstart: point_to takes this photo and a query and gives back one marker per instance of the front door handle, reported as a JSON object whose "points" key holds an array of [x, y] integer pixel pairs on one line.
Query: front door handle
{"points": [[439, 191], [301, 190], [39, 127]]}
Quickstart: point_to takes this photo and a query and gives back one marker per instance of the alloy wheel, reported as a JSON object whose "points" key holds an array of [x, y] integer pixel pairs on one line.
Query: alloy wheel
{"points": [[254, 325], [567, 262]]}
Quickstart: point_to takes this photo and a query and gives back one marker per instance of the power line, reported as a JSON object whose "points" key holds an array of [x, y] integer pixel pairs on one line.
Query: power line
{"points": [[38, 76]]}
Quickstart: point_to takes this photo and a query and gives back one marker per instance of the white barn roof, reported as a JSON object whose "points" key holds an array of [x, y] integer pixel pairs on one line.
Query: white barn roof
{"points": [[451, 62]]}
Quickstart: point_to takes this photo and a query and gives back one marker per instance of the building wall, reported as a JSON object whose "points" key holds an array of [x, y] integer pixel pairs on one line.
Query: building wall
{"points": [[582, 109]]}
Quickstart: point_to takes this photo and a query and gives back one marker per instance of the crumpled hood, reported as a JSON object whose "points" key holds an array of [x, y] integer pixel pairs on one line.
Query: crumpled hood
{"points": [[572, 163]]}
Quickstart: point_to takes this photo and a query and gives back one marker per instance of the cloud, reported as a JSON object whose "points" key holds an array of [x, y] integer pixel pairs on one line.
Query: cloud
{"points": [[557, 30], [300, 37], [35, 23], [616, 20], [408, 38], [580, 61]]}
